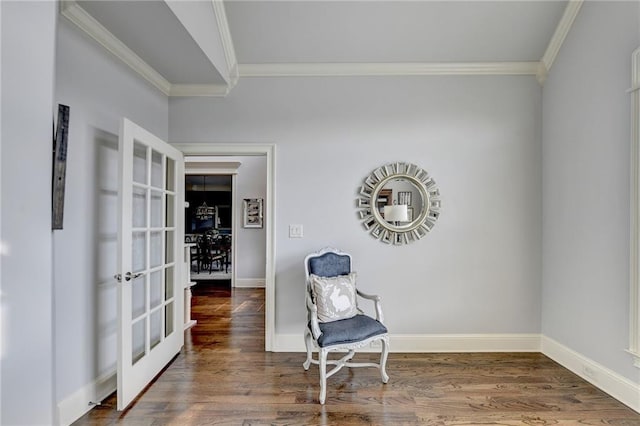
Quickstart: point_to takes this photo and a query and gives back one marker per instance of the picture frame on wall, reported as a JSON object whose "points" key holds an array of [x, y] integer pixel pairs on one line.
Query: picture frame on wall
{"points": [[252, 215]]}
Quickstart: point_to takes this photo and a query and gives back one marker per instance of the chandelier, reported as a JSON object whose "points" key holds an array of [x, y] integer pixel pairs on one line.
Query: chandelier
{"points": [[203, 211]]}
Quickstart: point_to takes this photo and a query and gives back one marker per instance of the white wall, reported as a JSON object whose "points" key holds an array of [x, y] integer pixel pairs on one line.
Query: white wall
{"points": [[479, 271], [28, 34], [586, 186], [251, 182], [99, 91]]}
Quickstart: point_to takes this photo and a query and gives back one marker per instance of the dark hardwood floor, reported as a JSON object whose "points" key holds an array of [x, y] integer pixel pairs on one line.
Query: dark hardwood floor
{"points": [[223, 377]]}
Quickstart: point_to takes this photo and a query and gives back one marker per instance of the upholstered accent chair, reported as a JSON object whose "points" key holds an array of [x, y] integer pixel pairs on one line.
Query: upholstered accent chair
{"points": [[335, 322]]}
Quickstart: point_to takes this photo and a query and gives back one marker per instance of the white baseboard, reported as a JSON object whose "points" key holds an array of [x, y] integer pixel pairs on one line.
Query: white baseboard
{"points": [[77, 404], [465, 343], [619, 387], [434, 343], [249, 283]]}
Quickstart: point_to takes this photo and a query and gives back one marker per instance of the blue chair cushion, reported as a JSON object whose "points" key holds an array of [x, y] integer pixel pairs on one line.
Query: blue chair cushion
{"points": [[349, 330], [330, 265]]}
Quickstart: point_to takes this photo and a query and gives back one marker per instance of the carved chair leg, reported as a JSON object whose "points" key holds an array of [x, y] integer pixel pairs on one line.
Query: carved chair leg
{"points": [[383, 360], [323, 374], [352, 353], [308, 343]]}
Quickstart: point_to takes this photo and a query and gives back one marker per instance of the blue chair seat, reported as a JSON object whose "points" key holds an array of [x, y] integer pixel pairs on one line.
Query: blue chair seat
{"points": [[350, 330]]}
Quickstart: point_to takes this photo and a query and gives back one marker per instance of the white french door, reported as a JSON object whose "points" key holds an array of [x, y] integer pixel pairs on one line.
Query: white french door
{"points": [[150, 236]]}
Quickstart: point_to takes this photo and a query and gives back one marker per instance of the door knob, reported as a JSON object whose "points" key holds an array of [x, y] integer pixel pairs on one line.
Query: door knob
{"points": [[128, 276]]}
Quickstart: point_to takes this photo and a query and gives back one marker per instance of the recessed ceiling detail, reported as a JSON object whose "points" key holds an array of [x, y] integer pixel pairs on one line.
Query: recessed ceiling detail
{"points": [[184, 48], [181, 48]]}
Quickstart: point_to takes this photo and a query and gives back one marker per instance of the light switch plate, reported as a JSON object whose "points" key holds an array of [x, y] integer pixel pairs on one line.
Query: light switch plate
{"points": [[295, 231]]}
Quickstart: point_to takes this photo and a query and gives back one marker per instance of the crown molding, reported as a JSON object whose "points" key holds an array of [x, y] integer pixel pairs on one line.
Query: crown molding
{"points": [[387, 69], [570, 13], [87, 23], [541, 75], [227, 42]]}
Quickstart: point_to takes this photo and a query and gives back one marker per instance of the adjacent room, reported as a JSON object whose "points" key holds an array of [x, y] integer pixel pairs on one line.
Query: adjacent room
{"points": [[477, 162]]}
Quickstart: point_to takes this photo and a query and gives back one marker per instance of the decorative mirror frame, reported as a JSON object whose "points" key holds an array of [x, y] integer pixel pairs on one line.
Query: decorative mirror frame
{"points": [[373, 221]]}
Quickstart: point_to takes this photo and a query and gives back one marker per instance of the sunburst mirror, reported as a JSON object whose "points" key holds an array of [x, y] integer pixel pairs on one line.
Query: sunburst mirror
{"points": [[399, 203]]}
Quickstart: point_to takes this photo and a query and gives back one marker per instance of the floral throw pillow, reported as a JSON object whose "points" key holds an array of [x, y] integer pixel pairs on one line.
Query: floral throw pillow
{"points": [[335, 297]]}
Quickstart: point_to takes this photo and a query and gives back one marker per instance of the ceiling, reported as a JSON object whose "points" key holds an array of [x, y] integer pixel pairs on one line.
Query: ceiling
{"points": [[202, 47], [391, 31]]}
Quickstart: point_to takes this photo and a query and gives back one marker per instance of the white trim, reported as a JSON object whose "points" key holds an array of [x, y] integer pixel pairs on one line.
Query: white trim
{"points": [[227, 43], [76, 14], [424, 343], [223, 149], [80, 402], [636, 357], [210, 171], [466, 343], [250, 283], [542, 73], [569, 15], [268, 150], [211, 159], [234, 227], [210, 166], [634, 198], [619, 387], [387, 69]]}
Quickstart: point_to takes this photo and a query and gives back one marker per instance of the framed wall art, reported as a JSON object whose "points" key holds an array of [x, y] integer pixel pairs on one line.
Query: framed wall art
{"points": [[252, 213], [59, 166]]}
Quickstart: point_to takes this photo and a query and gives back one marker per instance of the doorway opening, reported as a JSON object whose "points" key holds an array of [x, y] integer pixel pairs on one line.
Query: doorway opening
{"points": [[209, 226], [252, 246]]}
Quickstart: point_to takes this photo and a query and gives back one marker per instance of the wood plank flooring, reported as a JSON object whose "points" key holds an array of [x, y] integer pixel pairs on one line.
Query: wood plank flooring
{"points": [[223, 377]]}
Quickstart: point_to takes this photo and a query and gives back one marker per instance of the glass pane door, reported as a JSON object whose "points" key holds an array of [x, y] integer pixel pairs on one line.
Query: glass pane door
{"points": [[150, 294]]}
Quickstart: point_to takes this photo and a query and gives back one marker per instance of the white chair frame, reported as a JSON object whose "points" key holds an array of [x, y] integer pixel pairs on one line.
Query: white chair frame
{"points": [[312, 334]]}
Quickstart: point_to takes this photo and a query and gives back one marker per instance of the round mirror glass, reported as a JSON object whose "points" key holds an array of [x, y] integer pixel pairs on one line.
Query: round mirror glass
{"points": [[399, 203]]}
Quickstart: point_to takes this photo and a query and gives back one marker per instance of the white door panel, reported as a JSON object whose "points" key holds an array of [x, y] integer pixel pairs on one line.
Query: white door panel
{"points": [[150, 305]]}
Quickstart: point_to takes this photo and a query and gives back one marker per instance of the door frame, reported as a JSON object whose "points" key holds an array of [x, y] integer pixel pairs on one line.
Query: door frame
{"points": [[247, 149]]}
